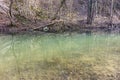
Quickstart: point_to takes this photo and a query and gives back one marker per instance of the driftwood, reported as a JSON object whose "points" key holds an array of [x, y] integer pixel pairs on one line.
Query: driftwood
{"points": [[42, 26]]}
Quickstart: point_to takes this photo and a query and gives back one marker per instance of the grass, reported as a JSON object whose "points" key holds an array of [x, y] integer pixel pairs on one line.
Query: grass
{"points": [[60, 57]]}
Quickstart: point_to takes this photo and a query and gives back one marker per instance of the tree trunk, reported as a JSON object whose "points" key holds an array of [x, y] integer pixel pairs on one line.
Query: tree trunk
{"points": [[10, 12], [96, 8], [91, 8], [63, 3], [111, 13]]}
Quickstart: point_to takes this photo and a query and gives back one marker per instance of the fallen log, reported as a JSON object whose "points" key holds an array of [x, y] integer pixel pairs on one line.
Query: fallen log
{"points": [[42, 26]]}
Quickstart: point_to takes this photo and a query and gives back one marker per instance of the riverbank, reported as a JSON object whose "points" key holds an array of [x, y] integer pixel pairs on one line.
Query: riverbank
{"points": [[6, 29], [56, 26]]}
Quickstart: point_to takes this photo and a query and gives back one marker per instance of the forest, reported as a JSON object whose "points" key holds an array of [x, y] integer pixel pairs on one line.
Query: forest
{"points": [[60, 15], [59, 39]]}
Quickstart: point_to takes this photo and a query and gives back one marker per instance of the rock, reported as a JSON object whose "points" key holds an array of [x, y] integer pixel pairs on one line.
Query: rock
{"points": [[46, 29]]}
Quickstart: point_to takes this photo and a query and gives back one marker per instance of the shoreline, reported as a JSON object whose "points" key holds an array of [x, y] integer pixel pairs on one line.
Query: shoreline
{"points": [[81, 30]]}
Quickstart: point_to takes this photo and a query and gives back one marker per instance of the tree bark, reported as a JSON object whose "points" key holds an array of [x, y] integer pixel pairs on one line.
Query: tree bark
{"points": [[111, 13], [10, 12], [63, 3], [96, 8], [91, 9]]}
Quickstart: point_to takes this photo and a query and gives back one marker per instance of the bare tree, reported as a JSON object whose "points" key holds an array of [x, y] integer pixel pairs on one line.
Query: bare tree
{"points": [[91, 8], [96, 8], [111, 13], [62, 4], [10, 12]]}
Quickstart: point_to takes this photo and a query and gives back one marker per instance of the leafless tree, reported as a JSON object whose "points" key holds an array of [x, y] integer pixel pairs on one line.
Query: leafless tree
{"points": [[91, 10], [111, 13], [10, 12], [62, 4]]}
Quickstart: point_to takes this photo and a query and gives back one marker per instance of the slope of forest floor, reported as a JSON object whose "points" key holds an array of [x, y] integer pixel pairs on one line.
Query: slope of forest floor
{"points": [[58, 26]]}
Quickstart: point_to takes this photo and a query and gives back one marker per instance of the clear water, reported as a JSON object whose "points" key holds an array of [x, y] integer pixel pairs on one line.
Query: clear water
{"points": [[101, 52]]}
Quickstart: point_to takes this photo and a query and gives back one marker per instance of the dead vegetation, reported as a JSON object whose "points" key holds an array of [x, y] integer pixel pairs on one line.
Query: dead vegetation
{"points": [[38, 14]]}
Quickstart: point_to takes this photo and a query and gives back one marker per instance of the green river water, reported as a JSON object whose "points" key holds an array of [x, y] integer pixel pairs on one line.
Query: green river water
{"points": [[60, 57]]}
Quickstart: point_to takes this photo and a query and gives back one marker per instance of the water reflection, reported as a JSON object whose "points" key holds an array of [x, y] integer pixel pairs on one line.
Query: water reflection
{"points": [[58, 55]]}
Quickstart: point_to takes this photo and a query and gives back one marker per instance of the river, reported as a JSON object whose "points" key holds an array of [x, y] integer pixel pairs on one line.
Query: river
{"points": [[60, 57]]}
